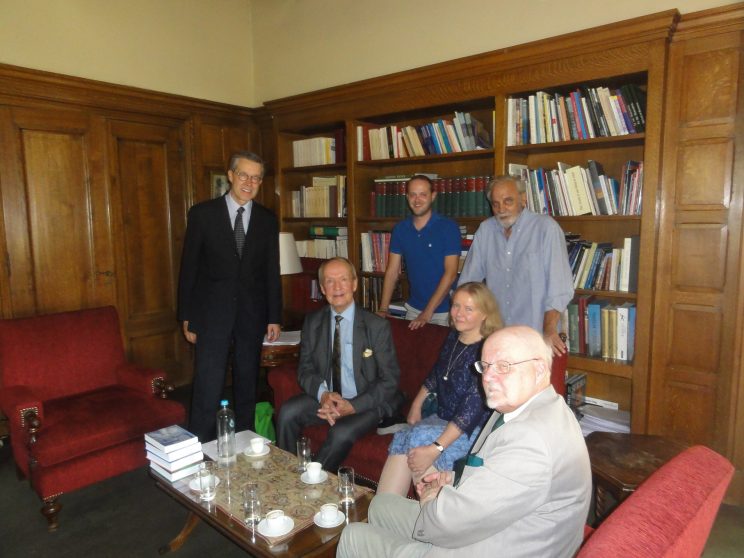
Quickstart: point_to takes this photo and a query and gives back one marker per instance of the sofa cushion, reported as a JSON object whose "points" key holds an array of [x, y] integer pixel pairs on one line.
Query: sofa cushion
{"points": [[80, 424]]}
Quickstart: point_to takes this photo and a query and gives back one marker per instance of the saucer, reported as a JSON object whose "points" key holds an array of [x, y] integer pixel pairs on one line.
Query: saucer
{"points": [[322, 478], [288, 525], [248, 452], [338, 521], [194, 484]]}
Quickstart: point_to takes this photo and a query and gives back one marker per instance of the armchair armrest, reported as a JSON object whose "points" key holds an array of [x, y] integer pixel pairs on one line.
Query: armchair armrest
{"points": [[558, 371], [145, 380], [17, 401], [283, 380]]}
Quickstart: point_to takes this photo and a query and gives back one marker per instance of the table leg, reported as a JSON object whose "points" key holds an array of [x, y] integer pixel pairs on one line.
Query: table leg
{"points": [[191, 521]]}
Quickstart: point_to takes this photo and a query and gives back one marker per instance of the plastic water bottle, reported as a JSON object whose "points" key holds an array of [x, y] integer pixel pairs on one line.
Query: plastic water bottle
{"points": [[225, 435]]}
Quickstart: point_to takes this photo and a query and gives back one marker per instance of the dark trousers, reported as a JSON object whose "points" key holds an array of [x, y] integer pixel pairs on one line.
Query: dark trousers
{"points": [[301, 410], [210, 367]]}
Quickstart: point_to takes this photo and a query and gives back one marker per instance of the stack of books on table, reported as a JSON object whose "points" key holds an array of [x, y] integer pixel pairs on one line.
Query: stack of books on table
{"points": [[174, 452]]}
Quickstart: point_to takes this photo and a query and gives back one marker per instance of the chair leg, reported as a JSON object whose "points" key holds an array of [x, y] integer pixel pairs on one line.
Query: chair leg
{"points": [[50, 510]]}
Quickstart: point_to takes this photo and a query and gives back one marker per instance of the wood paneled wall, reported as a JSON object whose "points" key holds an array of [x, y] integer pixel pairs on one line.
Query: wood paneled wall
{"points": [[95, 183]]}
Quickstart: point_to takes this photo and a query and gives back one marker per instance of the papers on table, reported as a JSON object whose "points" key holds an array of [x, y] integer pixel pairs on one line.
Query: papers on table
{"points": [[285, 338], [242, 441], [603, 420]]}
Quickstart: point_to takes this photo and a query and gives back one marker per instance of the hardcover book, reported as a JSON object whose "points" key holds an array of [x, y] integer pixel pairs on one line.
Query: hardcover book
{"points": [[170, 438]]}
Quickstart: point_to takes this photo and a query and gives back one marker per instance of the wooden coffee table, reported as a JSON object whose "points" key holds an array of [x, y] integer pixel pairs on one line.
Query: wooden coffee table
{"points": [[278, 481]]}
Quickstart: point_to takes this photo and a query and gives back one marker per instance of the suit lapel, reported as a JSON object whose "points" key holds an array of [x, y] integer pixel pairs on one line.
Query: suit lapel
{"points": [[252, 234], [225, 226], [324, 351], [359, 342]]}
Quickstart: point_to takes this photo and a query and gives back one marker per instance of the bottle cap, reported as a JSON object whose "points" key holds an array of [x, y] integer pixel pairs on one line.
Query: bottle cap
{"points": [[223, 402]]}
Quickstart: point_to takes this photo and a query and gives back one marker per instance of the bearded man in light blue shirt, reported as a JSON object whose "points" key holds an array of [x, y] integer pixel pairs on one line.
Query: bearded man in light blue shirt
{"points": [[523, 258]]}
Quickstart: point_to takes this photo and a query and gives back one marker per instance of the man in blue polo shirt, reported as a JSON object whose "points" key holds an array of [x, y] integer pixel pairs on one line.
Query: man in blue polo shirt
{"points": [[430, 245]]}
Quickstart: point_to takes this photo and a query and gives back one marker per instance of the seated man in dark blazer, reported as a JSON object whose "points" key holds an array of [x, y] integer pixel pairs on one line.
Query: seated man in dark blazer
{"points": [[348, 370]]}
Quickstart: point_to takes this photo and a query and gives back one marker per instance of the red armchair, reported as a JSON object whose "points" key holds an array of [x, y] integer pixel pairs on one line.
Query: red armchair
{"points": [[77, 410], [417, 353], [670, 515]]}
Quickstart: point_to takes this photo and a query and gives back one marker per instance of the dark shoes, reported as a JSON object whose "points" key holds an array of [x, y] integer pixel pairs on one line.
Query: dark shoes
{"points": [[391, 425]]}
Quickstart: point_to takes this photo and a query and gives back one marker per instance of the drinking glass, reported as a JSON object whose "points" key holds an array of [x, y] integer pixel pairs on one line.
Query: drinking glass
{"points": [[207, 476], [251, 503], [346, 485], [303, 454]]}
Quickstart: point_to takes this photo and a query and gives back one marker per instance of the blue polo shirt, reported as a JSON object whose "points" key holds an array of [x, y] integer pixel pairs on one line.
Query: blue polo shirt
{"points": [[424, 252]]}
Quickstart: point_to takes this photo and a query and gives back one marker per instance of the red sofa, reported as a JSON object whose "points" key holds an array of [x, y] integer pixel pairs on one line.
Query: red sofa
{"points": [[670, 515], [417, 352], [77, 409]]}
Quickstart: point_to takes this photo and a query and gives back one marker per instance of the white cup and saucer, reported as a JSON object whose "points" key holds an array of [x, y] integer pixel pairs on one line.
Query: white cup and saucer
{"points": [[275, 524], [329, 516], [257, 447], [313, 474]]}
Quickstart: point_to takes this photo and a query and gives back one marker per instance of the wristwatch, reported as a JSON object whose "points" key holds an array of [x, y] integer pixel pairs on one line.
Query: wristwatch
{"points": [[439, 446]]}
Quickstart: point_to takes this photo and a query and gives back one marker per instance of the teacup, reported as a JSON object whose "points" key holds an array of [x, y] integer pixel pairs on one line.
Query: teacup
{"points": [[313, 471], [257, 445], [275, 520], [328, 513]]}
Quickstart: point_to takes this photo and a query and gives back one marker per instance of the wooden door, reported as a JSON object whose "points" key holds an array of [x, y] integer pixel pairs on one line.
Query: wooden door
{"points": [[147, 168], [693, 388], [54, 200]]}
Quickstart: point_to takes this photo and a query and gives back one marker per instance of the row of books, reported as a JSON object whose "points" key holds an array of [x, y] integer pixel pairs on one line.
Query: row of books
{"points": [[576, 190], [463, 132], [174, 452], [458, 196], [600, 266], [600, 328], [325, 198], [375, 249], [314, 151], [325, 242], [323, 248], [585, 113]]}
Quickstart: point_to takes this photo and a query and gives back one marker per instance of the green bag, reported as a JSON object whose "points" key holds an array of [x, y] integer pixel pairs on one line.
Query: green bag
{"points": [[264, 424]]}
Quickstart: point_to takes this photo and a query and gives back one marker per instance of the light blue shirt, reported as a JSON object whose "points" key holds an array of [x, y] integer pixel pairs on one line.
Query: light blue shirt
{"points": [[347, 353], [528, 274], [232, 210]]}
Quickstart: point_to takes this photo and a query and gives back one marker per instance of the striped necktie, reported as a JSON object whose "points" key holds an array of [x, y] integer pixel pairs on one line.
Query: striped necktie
{"points": [[336, 355], [239, 231]]}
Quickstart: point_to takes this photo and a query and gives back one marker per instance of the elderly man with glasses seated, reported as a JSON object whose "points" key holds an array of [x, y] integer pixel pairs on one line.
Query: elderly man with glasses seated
{"points": [[524, 488]]}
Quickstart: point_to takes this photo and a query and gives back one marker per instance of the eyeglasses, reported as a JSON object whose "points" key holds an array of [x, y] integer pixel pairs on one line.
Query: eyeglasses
{"points": [[502, 367], [244, 177]]}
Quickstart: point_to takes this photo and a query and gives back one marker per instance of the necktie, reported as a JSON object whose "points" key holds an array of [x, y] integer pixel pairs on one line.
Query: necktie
{"points": [[239, 231], [471, 458], [336, 356]]}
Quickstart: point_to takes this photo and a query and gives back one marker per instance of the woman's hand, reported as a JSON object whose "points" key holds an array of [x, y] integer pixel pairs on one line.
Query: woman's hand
{"points": [[421, 458]]}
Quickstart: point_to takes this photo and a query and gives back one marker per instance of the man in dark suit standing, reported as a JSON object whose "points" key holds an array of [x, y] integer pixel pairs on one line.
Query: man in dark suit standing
{"points": [[348, 370], [229, 293]]}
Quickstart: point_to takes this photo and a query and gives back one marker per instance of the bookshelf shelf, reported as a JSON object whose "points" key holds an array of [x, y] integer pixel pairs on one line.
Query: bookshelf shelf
{"points": [[608, 294], [598, 218], [315, 169], [330, 221], [605, 366], [477, 154], [586, 144]]}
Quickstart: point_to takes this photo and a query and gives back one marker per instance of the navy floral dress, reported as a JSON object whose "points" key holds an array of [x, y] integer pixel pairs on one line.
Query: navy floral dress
{"points": [[459, 400]]}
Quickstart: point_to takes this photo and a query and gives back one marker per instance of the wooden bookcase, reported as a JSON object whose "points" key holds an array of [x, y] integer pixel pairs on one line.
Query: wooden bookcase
{"points": [[628, 52]]}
